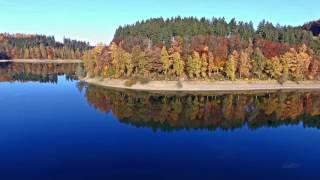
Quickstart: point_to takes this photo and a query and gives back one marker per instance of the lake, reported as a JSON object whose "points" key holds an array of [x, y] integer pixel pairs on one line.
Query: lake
{"points": [[55, 127]]}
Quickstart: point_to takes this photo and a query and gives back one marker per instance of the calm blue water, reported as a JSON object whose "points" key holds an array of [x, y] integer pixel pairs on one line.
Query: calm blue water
{"points": [[51, 131]]}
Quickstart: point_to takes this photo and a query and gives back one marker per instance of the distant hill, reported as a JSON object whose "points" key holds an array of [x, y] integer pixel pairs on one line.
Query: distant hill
{"points": [[313, 26]]}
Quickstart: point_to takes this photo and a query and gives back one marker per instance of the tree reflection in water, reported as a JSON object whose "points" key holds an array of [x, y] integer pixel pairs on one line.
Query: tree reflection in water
{"points": [[40, 72], [181, 111], [220, 111]]}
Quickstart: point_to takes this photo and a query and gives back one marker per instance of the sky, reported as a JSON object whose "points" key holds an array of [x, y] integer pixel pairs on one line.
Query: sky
{"points": [[96, 20]]}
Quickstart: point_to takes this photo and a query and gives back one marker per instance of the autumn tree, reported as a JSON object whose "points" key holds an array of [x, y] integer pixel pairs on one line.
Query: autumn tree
{"points": [[43, 51], [313, 69], [274, 68], [289, 63], [303, 63], [230, 68], [50, 52], [165, 59], [89, 63], [77, 54], [139, 61], [194, 65], [37, 52], [26, 54], [91, 59], [245, 61], [211, 66], [244, 66], [178, 64], [118, 59], [204, 65], [190, 67], [127, 58]]}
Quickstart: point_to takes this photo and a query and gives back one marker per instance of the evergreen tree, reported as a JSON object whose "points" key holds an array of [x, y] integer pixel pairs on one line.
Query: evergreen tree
{"points": [[259, 62]]}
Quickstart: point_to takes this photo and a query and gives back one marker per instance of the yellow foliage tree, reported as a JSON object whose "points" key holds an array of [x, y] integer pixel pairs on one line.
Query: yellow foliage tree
{"points": [[230, 68], [274, 68], [98, 49], [245, 64], [190, 67], [194, 65], [127, 57], [89, 63], [204, 65], [211, 66], [118, 59], [165, 59], [303, 62], [178, 64], [26, 54], [289, 63]]}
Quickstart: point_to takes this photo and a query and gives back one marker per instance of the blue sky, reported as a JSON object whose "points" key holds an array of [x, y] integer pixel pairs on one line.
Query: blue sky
{"points": [[96, 20]]}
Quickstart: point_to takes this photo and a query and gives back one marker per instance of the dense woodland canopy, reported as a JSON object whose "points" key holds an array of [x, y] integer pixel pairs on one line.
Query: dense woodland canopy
{"points": [[22, 46], [191, 48]]}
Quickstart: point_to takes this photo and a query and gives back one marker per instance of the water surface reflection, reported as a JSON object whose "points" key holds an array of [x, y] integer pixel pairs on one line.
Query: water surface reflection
{"points": [[211, 111], [51, 131], [37, 72]]}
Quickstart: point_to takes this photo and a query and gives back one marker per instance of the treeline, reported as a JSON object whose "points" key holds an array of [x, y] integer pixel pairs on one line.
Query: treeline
{"points": [[229, 111], [189, 48], [202, 61], [22, 46], [161, 31]]}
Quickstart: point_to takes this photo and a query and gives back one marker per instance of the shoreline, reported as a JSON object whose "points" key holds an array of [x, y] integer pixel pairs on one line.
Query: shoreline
{"points": [[43, 61], [206, 86]]}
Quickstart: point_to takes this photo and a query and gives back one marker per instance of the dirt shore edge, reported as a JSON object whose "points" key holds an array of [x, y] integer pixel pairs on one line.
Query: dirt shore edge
{"points": [[206, 86]]}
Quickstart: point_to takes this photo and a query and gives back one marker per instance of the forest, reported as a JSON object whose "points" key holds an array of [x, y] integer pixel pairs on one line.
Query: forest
{"points": [[200, 49], [23, 46]]}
